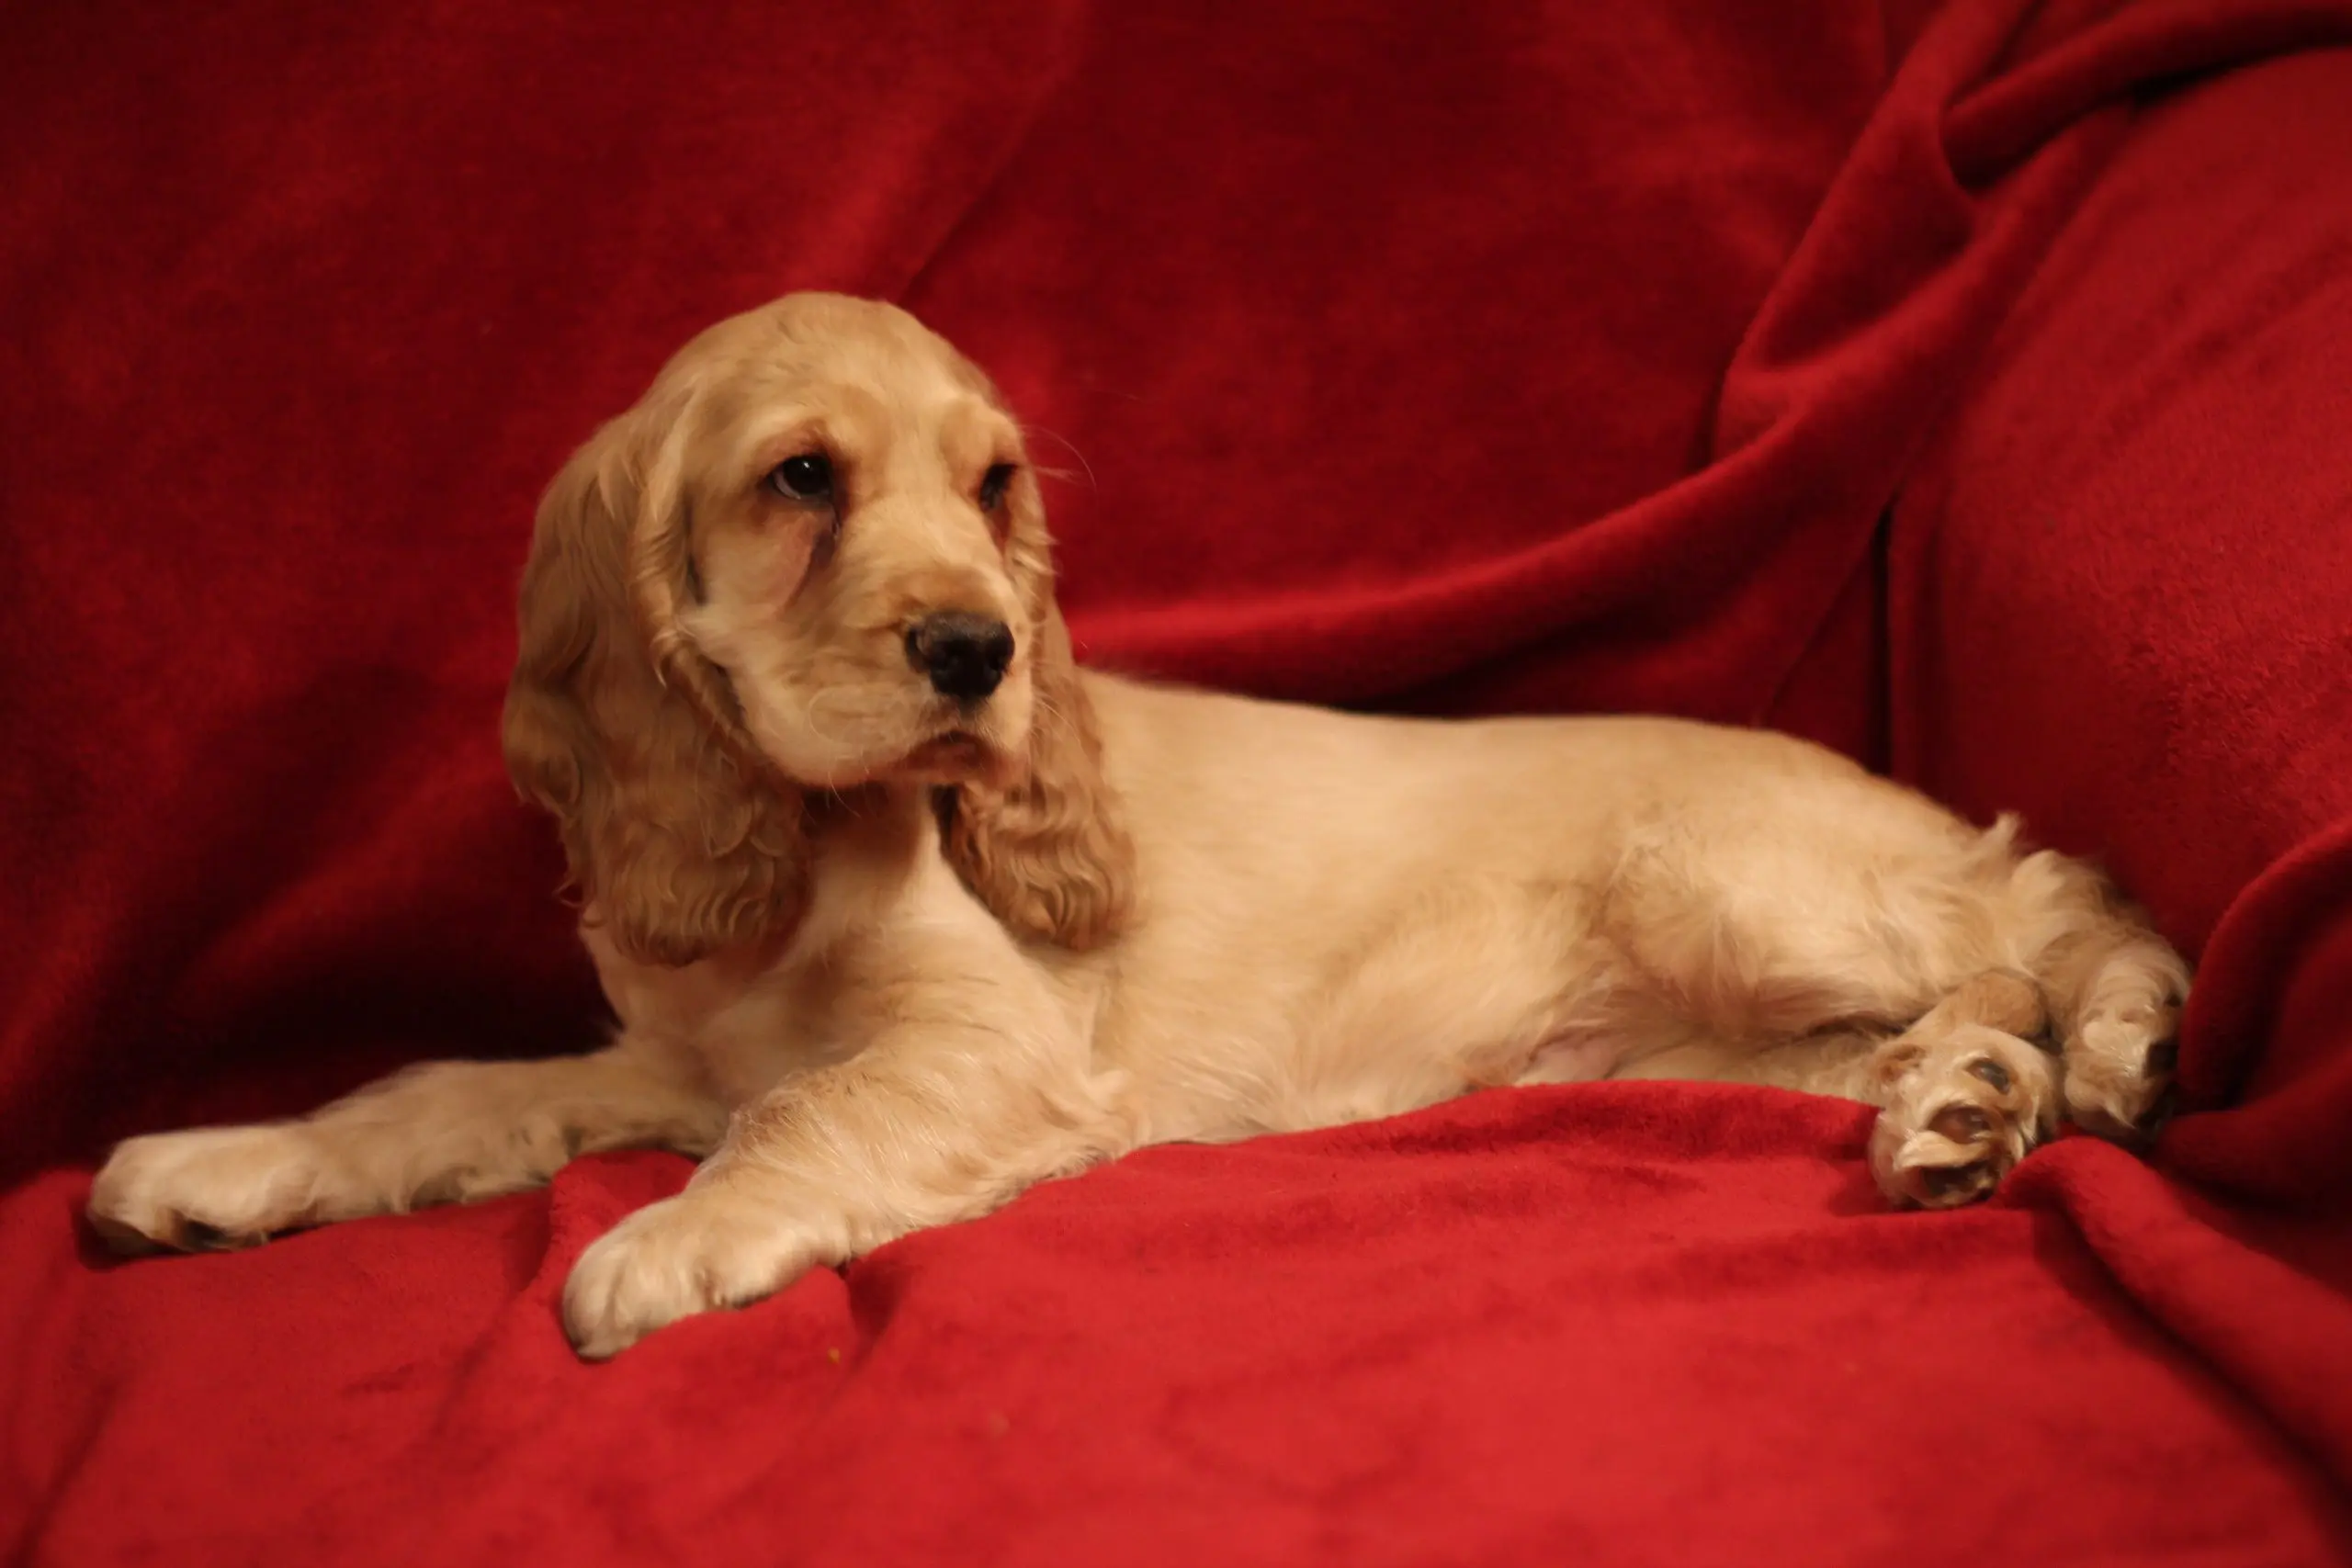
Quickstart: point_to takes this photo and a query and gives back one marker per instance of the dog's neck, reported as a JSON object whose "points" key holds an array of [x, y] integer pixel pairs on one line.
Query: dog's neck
{"points": [[868, 841], [877, 823]]}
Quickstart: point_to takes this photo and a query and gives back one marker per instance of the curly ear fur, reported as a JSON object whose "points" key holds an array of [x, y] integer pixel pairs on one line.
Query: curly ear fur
{"points": [[1049, 855], [678, 840]]}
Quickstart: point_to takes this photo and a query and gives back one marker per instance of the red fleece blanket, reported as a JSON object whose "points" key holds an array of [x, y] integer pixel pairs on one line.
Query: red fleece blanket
{"points": [[1964, 386]]}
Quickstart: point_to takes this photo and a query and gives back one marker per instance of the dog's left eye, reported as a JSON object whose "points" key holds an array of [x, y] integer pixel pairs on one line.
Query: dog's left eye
{"points": [[993, 484], [807, 476]]}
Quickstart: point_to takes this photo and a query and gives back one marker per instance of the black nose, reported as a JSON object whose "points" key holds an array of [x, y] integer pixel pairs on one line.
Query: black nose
{"points": [[963, 655]]}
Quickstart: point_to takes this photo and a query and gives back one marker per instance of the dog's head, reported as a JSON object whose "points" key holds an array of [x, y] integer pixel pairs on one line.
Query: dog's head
{"points": [[812, 557]]}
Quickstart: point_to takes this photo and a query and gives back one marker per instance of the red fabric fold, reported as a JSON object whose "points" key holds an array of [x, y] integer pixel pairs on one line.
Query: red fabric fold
{"points": [[1961, 385], [2131, 623]]}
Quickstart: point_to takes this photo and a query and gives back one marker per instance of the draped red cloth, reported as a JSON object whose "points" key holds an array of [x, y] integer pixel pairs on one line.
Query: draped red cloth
{"points": [[1964, 386]]}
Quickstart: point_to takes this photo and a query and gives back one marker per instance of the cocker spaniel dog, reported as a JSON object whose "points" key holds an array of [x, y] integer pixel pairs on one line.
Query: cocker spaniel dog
{"points": [[901, 911]]}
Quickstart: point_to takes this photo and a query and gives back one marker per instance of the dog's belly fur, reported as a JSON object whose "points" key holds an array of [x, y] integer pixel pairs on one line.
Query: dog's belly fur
{"points": [[1381, 915]]}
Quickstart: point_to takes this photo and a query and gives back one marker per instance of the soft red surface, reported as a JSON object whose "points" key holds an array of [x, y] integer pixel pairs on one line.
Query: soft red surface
{"points": [[1968, 389]]}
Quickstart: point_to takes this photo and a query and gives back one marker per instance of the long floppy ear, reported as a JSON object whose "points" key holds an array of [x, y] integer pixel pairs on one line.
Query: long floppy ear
{"points": [[1049, 854], [680, 842]]}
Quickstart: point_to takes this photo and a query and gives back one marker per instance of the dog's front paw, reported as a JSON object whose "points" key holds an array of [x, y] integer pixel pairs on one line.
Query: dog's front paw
{"points": [[204, 1191], [1968, 1107], [703, 1249]]}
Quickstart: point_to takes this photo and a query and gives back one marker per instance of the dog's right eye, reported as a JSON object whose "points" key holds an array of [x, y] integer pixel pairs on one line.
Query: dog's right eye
{"points": [[808, 475]]}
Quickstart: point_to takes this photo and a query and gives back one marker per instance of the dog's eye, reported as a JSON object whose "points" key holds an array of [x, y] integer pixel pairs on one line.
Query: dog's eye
{"points": [[808, 475], [993, 484]]}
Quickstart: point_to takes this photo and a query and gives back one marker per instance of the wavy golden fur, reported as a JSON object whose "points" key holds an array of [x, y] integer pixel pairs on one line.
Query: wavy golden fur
{"points": [[901, 911], [671, 824]]}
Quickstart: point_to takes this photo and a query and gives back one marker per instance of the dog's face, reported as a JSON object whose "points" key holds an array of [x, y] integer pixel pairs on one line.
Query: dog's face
{"points": [[813, 557], [866, 557]]}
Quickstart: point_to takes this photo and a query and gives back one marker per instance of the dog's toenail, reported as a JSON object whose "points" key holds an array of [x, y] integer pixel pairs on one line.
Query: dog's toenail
{"points": [[1960, 1123], [122, 1240], [1991, 1072]]}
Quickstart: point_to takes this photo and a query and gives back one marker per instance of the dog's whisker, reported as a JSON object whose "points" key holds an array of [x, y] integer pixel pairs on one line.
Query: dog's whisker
{"points": [[1067, 445]]}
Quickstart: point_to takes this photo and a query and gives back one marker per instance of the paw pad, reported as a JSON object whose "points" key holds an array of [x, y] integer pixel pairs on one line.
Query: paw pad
{"points": [[1960, 1123], [1962, 1115], [1958, 1183]]}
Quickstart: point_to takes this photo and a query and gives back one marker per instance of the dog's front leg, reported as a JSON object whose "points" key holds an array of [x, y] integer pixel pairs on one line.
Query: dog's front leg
{"points": [[440, 1131], [946, 1115]]}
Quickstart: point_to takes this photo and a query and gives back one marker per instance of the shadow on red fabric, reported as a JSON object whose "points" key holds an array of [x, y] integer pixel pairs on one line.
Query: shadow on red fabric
{"points": [[1963, 385]]}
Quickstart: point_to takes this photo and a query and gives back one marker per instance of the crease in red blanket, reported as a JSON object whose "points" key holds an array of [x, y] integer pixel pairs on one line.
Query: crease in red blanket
{"points": [[1961, 385]]}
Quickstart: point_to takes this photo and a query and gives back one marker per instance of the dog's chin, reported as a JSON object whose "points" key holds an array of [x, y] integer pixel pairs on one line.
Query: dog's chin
{"points": [[955, 757]]}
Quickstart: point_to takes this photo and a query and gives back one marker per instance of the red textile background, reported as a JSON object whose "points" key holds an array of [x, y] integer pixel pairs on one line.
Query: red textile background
{"points": [[1965, 386]]}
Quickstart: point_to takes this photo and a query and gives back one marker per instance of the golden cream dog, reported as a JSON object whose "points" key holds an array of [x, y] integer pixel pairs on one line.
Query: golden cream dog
{"points": [[901, 911]]}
